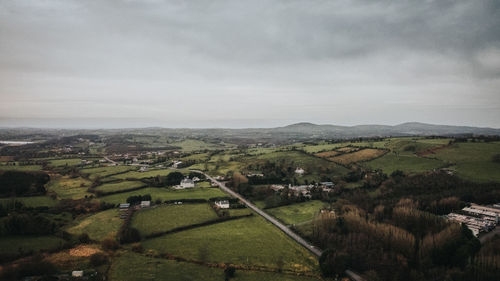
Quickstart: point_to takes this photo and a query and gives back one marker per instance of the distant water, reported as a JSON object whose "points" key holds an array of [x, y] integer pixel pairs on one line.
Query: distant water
{"points": [[16, 142]]}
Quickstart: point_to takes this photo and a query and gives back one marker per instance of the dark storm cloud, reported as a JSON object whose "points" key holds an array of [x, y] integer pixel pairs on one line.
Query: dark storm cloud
{"points": [[322, 61]]}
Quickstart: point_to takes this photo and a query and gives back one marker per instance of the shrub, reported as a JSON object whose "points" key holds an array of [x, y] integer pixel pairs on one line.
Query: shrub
{"points": [[110, 244], [137, 247], [84, 238], [98, 259], [129, 235], [229, 272]]}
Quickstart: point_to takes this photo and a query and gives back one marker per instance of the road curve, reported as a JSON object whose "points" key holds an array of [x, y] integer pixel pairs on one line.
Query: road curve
{"points": [[315, 250]]}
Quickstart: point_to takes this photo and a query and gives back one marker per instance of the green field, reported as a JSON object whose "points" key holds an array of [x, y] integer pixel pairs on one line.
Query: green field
{"points": [[243, 241], [20, 243], [406, 163], [297, 213], [106, 171], [472, 160], [168, 217], [148, 174], [128, 266], [196, 145], [119, 186], [165, 194], [97, 226], [69, 188], [64, 162], [31, 201]]}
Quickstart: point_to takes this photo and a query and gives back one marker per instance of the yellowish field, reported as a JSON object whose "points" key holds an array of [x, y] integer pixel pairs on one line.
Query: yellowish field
{"points": [[361, 155], [327, 154]]}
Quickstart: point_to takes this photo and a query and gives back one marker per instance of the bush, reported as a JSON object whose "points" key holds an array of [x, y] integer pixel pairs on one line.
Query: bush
{"points": [[110, 244], [84, 238], [129, 235], [98, 259], [34, 267], [229, 272], [137, 247]]}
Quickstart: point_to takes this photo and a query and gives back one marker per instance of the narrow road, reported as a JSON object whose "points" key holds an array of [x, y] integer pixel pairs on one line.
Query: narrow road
{"points": [[313, 249], [111, 161]]}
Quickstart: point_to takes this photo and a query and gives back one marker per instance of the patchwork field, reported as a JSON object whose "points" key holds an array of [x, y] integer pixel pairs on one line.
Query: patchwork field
{"points": [[297, 213], [119, 186], [168, 217], [165, 194], [99, 225], [327, 154], [22, 244], [20, 168], [244, 241], [64, 162], [148, 174], [406, 163], [31, 201], [69, 188], [357, 156], [131, 266]]}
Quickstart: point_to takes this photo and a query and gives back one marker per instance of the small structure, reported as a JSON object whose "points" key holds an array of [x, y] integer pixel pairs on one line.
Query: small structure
{"points": [[328, 184], [77, 273], [187, 183], [223, 204], [299, 171], [124, 206], [143, 169], [196, 179], [176, 164], [145, 204]]}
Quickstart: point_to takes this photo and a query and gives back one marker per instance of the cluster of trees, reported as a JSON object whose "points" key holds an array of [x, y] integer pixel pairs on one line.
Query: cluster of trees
{"points": [[26, 224], [135, 199], [171, 179], [17, 183]]}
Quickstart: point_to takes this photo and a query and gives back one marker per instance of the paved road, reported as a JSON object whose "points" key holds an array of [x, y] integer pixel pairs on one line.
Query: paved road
{"points": [[315, 250]]}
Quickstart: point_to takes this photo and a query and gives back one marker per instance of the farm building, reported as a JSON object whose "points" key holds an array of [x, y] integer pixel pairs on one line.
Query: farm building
{"points": [[143, 169], [223, 204], [187, 183], [124, 206], [145, 204]]}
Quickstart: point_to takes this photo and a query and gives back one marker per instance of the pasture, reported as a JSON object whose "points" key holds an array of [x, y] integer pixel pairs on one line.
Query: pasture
{"points": [[251, 241], [106, 171], [297, 213], [167, 217], [98, 226], [406, 163], [473, 161], [357, 156], [147, 174], [69, 188], [119, 186], [23, 168], [165, 194]]}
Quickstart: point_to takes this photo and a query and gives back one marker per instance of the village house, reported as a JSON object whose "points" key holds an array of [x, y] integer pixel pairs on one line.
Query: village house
{"points": [[143, 169], [223, 204], [187, 183]]}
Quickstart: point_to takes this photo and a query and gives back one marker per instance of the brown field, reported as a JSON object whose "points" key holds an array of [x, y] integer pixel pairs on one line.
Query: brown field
{"points": [[327, 154], [361, 155]]}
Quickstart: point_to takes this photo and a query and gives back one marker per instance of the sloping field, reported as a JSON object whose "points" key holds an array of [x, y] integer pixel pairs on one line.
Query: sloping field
{"points": [[168, 217], [99, 225], [251, 241], [106, 171], [128, 266], [24, 168], [297, 213], [361, 155], [327, 154], [406, 163], [147, 174], [473, 161], [165, 194], [69, 188], [119, 186]]}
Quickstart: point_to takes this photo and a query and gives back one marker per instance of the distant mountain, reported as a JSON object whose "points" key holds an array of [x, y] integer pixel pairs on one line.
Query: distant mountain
{"points": [[294, 132]]}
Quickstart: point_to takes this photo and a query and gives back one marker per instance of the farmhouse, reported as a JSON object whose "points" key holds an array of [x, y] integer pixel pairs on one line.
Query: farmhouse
{"points": [[223, 204], [145, 204], [187, 183], [143, 169]]}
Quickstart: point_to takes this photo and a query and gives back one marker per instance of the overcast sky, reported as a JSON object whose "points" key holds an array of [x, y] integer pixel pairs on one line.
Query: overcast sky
{"points": [[251, 63]]}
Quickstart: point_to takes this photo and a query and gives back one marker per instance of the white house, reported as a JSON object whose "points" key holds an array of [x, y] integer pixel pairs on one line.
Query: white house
{"points": [[143, 169], [187, 183], [224, 204], [77, 273], [299, 171]]}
